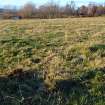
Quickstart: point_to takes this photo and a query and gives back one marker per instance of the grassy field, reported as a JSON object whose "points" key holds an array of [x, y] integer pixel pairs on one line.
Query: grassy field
{"points": [[52, 62]]}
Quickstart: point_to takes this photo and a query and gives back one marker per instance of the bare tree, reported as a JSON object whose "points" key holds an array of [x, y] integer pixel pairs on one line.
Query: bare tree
{"points": [[54, 10], [83, 10], [70, 8], [27, 10], [92, 8]]}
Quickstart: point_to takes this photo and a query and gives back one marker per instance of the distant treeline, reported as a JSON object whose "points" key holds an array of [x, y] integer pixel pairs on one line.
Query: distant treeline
{"points": [[54, 10]]}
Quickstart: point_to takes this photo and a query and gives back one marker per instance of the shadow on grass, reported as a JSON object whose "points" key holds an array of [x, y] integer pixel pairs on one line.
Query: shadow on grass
{"points": [[27, 88], [97, 47], [19, 86]]}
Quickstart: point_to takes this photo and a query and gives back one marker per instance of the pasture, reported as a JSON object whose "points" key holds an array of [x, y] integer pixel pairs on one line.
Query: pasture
{"points": [[52, 62]]}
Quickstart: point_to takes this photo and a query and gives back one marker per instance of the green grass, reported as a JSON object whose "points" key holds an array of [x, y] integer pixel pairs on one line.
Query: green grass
{"points": [[52, 62]]}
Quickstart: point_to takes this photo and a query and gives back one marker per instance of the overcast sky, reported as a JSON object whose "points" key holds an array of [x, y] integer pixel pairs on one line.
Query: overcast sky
{"points": [[39, 2]]}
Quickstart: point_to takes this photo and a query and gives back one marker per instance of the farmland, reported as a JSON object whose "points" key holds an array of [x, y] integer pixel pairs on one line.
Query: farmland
{"points": [[52, 62]]}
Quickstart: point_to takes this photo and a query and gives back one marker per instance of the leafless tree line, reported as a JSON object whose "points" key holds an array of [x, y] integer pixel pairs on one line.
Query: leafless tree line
{"points": [[54, 10]]}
